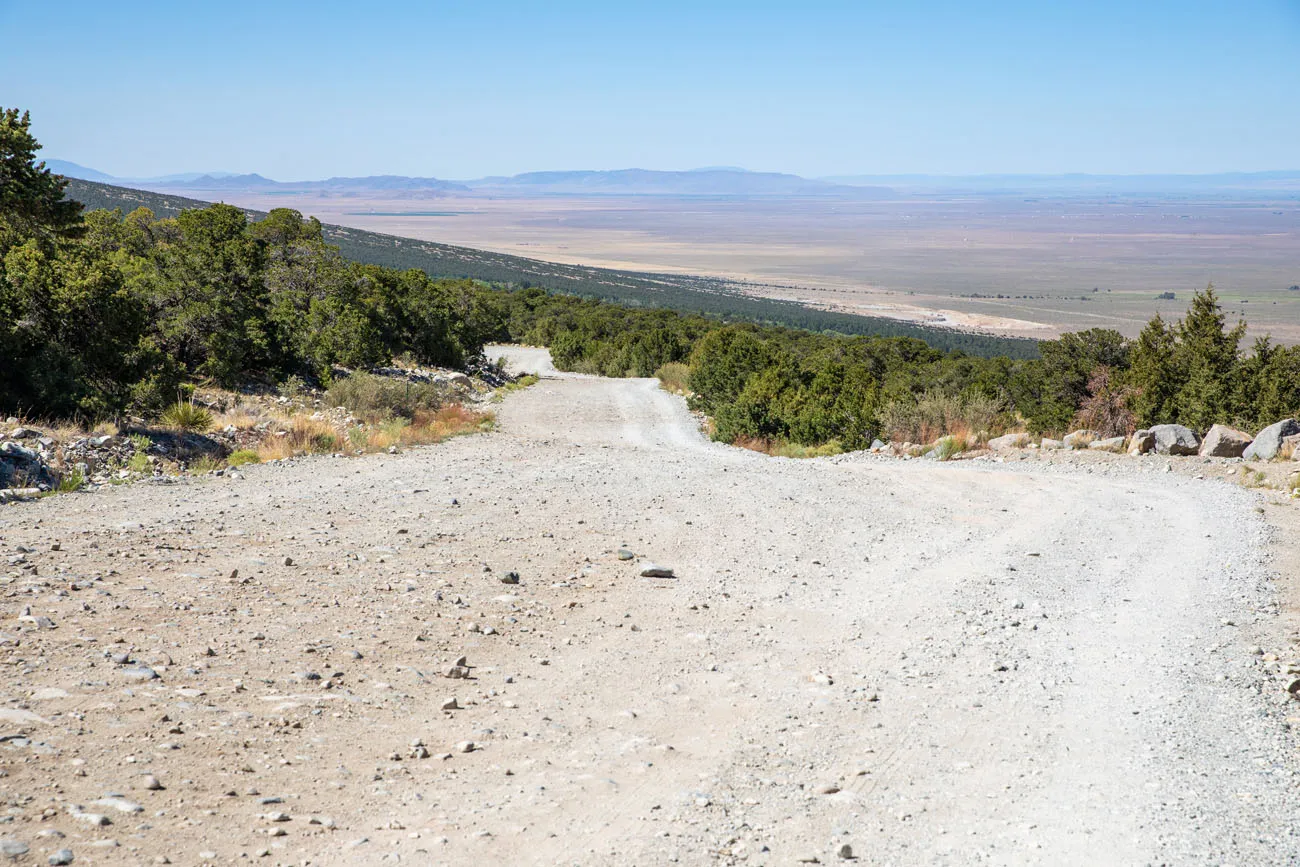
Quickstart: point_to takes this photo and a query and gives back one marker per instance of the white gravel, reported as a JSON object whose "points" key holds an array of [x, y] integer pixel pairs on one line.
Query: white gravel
{"points": [[962, 663]]}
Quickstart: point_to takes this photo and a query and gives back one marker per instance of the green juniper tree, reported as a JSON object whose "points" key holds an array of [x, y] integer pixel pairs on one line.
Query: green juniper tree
{"points": [[1205, 360]]}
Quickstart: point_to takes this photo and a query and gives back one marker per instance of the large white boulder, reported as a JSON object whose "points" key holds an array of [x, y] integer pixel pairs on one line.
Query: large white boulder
{"points": [[1268, 442]]}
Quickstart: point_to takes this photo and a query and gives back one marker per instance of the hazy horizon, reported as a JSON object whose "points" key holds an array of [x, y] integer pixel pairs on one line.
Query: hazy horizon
{"points": [[59, 161]]}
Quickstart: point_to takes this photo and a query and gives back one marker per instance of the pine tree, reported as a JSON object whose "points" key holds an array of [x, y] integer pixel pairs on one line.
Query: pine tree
{"points": [[31, 196], [1207, 357], [1152, 374]]}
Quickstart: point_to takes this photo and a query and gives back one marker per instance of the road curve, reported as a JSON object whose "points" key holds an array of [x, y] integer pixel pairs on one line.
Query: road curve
{"points": [[958, 663], [1028, 667]]}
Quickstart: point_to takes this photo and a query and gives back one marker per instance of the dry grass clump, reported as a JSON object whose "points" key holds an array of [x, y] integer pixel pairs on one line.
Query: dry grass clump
{"points": [[948, 447], [425, 428], [380, 397], [301, 436], [937, 414], [778, 448], [675, 377], [242, 417]]}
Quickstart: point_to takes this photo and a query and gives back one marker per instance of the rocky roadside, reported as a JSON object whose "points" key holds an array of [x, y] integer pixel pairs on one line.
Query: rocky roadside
{"points": [[36, 459]]}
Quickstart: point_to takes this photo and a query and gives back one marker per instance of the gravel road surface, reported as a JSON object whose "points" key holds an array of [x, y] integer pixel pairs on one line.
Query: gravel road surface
{"points": [[970, 662]]}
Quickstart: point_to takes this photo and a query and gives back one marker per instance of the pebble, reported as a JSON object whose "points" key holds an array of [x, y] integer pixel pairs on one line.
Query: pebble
{"points": [[13, 848], [466, 747], [207, 855], [122, 805], [451, 704], [63, 856], [846, 852], [653, 570], [140, 673], [150, 783], [510, 578], [288, 561], [625, 554]]}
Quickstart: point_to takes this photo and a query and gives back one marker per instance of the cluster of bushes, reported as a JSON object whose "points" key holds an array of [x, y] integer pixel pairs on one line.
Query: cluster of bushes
{"points": [[779, 386], [709, 296], [101, 313]]}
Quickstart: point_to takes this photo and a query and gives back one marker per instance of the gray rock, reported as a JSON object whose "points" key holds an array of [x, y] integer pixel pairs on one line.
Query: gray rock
{"points": [[63, 856], [510, 578], [1141, 442], [653, 570], [1222, 441], [1291, 445], [1268, 442], [140, 673], [877, 445], [13, 848], [625, 554], [122, 805], [1009, 441], [1110, 444], [93, 819], [1048, 444], [1174, 439], [1079, 439], [22, 433]]}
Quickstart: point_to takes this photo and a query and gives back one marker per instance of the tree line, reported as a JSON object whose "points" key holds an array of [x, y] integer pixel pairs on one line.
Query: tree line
{"points": [[774, 383], [104, 313]]}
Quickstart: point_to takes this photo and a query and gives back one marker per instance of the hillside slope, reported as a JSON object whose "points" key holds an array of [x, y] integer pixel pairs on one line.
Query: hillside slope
{"points": [[706, 295]]}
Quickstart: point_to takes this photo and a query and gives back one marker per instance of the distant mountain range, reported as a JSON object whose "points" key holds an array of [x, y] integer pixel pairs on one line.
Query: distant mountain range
{"points": [[699, 182], [721, 181], [72, 170]]}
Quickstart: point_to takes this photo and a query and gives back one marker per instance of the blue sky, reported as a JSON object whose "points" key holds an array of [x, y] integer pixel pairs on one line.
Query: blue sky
{"points": [[458, 90]]}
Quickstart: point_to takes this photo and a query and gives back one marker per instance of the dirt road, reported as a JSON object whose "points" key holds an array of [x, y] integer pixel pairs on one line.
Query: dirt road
{"points": [[932, 663]]}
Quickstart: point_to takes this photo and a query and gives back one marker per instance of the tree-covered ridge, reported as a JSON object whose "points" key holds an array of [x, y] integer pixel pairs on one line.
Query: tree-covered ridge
{"points": [[104, 313], [723, 299]]}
